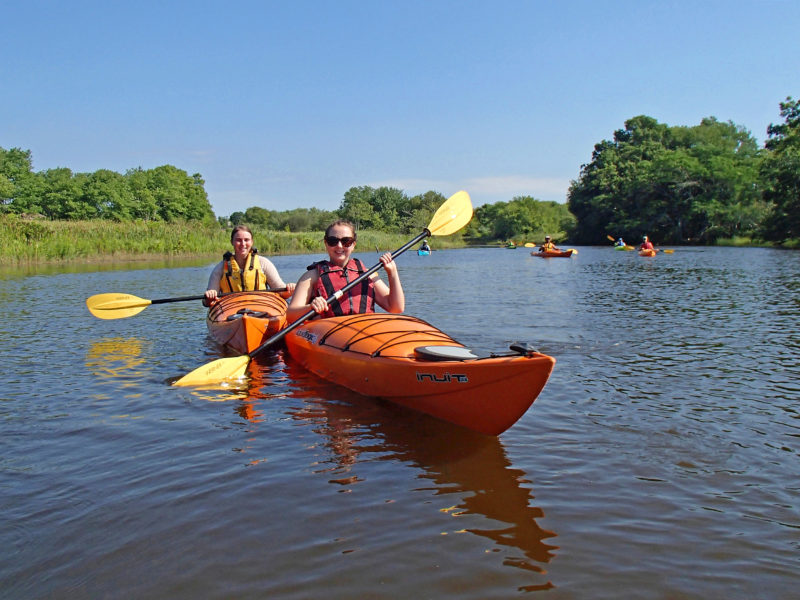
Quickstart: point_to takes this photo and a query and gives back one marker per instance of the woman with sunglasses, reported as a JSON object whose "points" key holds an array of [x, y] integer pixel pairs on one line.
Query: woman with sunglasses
{"points": [[325, 277]]}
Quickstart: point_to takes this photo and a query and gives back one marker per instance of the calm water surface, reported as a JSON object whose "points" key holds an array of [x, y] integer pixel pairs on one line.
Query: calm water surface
{"points": [[660, 461]]}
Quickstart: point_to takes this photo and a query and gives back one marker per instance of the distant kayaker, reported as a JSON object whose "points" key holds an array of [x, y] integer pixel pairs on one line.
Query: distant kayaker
{"points": [[646, 244], [620, 242], [325, 277], [243, 270], [548, 245], [424, 247]]}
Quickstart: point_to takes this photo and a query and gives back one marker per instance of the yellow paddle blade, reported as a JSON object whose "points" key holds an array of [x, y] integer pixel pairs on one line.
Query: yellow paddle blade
{"points": [[573, 250], [668, 251], [611, 238], [452, 215], [115, 306], [530, 245], [216, 371]]}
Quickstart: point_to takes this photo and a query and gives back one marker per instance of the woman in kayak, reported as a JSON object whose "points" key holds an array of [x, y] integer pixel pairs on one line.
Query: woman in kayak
{"points": [[325, 277], [243, 270], [646, 244], [548, 245]]}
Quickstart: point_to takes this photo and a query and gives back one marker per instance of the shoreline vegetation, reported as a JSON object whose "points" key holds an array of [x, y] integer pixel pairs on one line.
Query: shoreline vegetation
{"points": [[40, 241], [709, 184]]}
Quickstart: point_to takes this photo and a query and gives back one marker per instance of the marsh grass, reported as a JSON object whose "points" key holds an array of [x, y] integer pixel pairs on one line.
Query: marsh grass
{"points": [[40, 240]]}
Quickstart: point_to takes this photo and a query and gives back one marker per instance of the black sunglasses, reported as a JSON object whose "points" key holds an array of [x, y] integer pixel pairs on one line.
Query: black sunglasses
{"points": [[332, 240]]}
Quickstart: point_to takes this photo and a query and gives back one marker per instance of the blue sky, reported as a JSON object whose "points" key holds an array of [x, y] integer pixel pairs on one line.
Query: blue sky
{"points": [[289, 104]]}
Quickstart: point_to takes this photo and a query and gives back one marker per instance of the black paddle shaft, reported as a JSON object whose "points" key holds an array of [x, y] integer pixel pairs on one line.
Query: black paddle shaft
{"points": [[188, 298]]}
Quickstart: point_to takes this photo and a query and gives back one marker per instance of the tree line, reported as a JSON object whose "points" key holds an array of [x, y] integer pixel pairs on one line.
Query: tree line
{"points": [[677, 184], [691, 184], [390, 210], [164, 193]]}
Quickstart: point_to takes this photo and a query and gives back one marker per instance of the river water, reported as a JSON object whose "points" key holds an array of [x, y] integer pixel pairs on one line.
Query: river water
{"points": [[662, 459]]}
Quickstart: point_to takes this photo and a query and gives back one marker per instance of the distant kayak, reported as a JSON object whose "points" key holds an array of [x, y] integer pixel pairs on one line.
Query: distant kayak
{"points": [[647, 252], [554, 254], [624, 248], [423, 252]]}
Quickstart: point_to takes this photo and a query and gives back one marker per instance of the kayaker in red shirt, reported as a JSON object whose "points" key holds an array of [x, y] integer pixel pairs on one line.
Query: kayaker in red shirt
{"points": [[646, 244], [324, 277]]}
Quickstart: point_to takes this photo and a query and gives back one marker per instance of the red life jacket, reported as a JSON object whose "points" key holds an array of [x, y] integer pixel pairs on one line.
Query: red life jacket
{"points": [[359, 300]]}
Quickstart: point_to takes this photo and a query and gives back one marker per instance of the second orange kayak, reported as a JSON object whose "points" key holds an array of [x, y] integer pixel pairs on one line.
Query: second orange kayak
{"points": [[242, 321], [647, 252], [412, 363]]}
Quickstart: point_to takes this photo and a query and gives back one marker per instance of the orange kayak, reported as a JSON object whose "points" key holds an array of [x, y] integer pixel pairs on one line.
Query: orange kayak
{"points": [[242, 321], [412, 363], [553, 253], [647, 252]]}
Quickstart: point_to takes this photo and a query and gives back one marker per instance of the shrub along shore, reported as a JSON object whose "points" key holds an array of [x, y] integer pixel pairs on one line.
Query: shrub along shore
{"points": [[44, 241]]}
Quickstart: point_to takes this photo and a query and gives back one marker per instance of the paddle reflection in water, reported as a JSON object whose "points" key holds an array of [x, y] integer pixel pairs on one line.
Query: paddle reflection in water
{"points": [[458, 463], [116, 358]]}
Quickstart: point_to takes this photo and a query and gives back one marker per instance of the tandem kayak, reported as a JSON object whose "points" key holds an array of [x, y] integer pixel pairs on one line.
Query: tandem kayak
{"points": [[553, 254], [407, 361], [647, 252], [244, 320]]}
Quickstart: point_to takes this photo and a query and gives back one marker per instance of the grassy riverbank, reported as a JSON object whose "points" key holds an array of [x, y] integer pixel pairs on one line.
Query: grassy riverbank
{"points": [[42, 241]]}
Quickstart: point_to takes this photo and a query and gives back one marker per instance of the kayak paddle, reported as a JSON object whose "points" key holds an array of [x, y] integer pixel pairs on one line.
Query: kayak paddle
{"points": [[454, 214], [120, 306]]}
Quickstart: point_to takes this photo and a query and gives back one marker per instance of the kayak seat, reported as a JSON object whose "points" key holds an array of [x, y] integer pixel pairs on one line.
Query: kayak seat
{"points": [[443, 353], [523, 348], [249, 312]]}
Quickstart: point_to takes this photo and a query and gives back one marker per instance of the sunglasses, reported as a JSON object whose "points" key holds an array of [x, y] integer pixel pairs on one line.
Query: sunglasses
{"points": [[332, 240]]}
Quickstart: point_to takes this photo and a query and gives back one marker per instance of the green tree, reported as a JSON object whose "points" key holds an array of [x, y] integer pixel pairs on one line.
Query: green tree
{"points": [[523, 218], [63, 194], [107, 196], [420, 210], [179, 196], [259, 216], [356, 206], [18, 185], [780, 174], [673, 183], [144, 204]]}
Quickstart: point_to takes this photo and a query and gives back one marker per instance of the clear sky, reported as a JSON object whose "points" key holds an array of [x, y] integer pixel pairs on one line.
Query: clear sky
{"points": [[289, 104]]}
